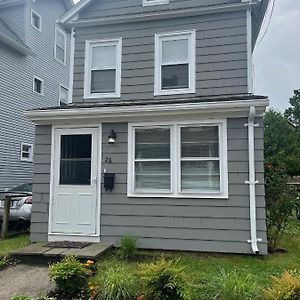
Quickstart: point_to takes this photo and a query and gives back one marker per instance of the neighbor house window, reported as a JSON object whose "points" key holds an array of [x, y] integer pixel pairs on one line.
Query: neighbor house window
{"points": [[60, 45], [103, 69], [26, 152], [175, 63], [63, 95], [38, 85], [178, 160], [36, 20], [154, 2]]}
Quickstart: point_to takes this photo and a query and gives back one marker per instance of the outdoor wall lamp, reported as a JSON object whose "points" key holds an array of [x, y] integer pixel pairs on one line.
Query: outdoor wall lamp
{"points": [[112, 137]]}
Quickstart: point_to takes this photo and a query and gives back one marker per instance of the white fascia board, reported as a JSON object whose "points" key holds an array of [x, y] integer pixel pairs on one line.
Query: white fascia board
{"points": [[74, 10], [115, 112]]}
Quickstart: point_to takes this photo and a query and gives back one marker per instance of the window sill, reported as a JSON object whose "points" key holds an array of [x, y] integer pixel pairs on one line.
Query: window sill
{"points": [[59, 61], [153, 3], [180, 196], [107, 95], [174, 92]]}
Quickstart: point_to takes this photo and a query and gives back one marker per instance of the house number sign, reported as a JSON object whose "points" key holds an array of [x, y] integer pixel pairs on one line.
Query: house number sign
{"points": [[108, 160]]}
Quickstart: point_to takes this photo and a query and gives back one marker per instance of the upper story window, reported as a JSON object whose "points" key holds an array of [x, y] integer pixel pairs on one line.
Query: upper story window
{"points": [[175, 63], [36, 20], [63, 95], [103, 69], [154, 2], [26, 152], [60, 45], [178, 159], [38, 85]]}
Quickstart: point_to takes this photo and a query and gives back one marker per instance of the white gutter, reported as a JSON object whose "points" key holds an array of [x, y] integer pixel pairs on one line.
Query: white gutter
{"points": [[22, 49], [252, 182], [72, 58]]}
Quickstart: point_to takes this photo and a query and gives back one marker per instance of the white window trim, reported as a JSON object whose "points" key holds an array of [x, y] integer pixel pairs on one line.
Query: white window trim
{"points": [[31, 19], [59, 97], [175, 157], [30, 158], [191, 34], [87, 69], [155, 2], [42, 87], [65, 46]]}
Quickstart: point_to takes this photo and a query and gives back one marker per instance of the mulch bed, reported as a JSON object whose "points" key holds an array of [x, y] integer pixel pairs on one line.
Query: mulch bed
{"points": [[66, 244]]}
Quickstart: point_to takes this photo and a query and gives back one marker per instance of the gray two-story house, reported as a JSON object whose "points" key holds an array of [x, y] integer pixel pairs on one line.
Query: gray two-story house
{"points": [[164, 137], [34, 72]]}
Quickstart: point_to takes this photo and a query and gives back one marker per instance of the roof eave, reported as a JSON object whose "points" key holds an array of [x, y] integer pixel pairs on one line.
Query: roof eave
{"points": [[22, 49]]}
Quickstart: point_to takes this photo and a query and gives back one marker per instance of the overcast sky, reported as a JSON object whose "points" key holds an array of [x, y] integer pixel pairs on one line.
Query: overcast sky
{"points": [[277, 56]]}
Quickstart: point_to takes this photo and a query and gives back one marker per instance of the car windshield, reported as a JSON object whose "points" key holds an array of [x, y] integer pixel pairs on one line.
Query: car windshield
{"points": [[27, 187]]}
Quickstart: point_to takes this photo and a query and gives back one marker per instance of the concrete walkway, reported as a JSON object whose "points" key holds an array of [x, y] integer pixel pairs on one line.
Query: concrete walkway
{"points": [[24, 280]]}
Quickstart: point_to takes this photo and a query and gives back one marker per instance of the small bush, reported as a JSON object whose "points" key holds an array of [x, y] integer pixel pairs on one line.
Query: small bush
{"points": [[21, 298], [236, 286], [127, 247], [116, 284], [286, 287], [69, 275], [163, 280]]}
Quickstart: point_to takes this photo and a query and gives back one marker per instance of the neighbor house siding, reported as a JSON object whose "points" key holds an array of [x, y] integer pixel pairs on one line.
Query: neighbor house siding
{"points": [[221, 225], [16, 84], [221, 54]]}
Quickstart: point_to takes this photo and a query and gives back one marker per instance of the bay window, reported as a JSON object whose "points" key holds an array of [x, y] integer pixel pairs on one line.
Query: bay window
{"points": [[178, 160], [103, 69]]}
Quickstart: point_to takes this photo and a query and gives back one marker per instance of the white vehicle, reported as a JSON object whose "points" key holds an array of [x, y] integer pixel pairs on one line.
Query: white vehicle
{"points": [[20, 210]]}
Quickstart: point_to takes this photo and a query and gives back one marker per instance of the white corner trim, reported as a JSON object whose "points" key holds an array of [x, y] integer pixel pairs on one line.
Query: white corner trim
{"points": [[31, 19], [175, 142], [249, 53], [57, 29], [155, 2], [89, 44], [159, 38], [72, 61]]}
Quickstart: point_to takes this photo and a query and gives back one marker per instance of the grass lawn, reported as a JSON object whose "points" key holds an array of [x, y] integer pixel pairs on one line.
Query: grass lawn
{"points": [[202, 270], [13, 244]]}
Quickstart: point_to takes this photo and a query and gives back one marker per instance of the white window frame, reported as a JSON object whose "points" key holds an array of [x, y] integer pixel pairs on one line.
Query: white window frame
{"points": [[31, 19], [60, 87], [159, 38], [42, 86], [155, 2], [57, 29], [87, 69], [175, 144], [30, 158]]}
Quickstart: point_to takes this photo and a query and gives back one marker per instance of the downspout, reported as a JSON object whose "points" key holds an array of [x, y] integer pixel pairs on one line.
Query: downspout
{"points": [[252, 182], [72, 57]]}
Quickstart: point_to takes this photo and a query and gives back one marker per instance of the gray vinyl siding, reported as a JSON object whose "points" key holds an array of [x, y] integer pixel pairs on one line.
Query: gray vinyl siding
{"points": [[221, 54], [103, 8], [213, 225], [16, 84]]}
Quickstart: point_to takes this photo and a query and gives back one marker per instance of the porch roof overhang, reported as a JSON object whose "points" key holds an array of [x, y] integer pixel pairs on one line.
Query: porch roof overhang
{"points": [[126, 111]]}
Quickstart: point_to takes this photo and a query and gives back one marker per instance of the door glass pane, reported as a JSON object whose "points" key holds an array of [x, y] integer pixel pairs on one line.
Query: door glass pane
{"points": [[152, 175], [175, 76], [200, 141], [75, 160], [152, 143], [103, 81], [104, 57], [200, 175], [175, 51]]}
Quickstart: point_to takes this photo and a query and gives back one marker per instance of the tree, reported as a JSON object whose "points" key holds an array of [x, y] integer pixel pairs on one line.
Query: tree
{"points": [[293, 112], [282, 145]]}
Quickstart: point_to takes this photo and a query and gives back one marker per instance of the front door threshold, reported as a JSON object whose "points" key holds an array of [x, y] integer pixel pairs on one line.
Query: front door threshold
{"points": [[54, 237]]}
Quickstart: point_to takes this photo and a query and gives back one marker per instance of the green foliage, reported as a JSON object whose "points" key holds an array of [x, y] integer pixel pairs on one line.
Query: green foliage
{"points": [[163, 280], [286, 287], [280, 202], [127, 247], [21, 298], [116, 284], [281, 142], [4, 261], [293, 112], [69, 275], [236, 286]]}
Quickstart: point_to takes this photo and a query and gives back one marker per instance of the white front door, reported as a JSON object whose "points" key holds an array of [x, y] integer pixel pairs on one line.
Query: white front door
{"points": [[75, 201]]}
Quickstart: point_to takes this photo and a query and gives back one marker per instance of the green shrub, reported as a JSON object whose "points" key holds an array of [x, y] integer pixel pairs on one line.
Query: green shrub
{"points": [[116, 284], [127, 247], [236, 286], [4, 261], [69, 275], [21, 298], [163, 280], [286, 287]]}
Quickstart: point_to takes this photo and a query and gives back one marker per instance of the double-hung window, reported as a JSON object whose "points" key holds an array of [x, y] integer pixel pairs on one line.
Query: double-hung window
{"points": [[26, 152], [103, 69], [178, 160], [175, 63], [36, 20], [60, 46]]}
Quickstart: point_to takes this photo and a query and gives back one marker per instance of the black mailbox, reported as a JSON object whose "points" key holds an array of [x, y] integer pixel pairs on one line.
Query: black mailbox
{"points": [[109, 181]]}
